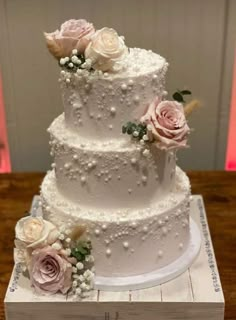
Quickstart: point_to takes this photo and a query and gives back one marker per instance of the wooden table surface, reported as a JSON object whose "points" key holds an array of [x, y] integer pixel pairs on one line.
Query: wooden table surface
{"points": [[217, 187]]}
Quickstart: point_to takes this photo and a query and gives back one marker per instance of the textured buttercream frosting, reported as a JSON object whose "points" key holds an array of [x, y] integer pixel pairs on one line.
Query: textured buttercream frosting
{"points": [[130, 195], [97, 104]]}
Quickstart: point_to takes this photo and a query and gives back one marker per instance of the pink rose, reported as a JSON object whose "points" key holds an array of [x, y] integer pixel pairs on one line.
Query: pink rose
{"points": [[74, 34], [166, 124], [50, 272]]}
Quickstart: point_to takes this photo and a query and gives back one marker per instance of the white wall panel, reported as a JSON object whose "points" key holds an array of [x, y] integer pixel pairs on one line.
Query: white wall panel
{"points": [[189, 33]]}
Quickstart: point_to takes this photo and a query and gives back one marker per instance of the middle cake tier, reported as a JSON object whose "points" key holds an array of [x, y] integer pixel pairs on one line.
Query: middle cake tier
{"points": [[111, 174]]}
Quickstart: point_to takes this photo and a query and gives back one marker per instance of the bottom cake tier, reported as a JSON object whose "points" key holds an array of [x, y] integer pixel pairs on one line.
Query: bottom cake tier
{"points": [[127, 242]]}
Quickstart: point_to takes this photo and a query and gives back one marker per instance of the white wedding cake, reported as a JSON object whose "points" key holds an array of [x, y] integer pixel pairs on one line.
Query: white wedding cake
{"points": [[114, 173]]}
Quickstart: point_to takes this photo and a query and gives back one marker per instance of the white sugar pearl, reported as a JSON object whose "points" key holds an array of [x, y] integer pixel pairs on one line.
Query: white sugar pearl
{"points": [[113, 110], [75, 157], [144, 178], [97, 232], [104, 227], [83, 179], [181, 245], [133, 160], [94, 163], [126, 244], [145, 138], [160, 253], [67, 80], [135, 133], [123, 87], [108, 252]]}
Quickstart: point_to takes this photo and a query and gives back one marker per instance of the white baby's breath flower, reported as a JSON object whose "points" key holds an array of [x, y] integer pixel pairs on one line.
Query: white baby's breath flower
{"points": [[74, 270], [68, 251], [56, 246], [78, 291], [74, 59], [62, 61], [80, 266], [81, 278], [75, 51], [74, 284]]}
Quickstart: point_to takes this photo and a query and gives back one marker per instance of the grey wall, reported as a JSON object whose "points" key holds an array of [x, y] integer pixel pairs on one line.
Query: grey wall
{"points": [[196, 37]]}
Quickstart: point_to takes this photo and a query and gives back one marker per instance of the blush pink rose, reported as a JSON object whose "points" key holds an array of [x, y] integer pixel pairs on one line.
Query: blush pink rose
{"points": [[50, 272], [74, 34], [166, 124]]}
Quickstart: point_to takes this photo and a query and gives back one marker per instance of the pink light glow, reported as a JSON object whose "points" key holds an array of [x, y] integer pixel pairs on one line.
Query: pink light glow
{"points": [[231, 146], [5, 164]]}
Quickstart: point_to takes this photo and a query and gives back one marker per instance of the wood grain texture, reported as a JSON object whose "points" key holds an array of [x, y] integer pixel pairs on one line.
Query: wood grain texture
{"points": [[219, 193]]}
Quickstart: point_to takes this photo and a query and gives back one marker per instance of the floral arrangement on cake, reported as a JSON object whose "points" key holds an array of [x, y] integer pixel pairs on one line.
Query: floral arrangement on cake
{"points": [[164, 122], [56, 260], [78, 45]]}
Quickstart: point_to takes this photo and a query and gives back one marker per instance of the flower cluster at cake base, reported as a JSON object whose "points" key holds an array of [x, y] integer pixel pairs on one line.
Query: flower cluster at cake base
{"points": [[77, 45], [56, 260], [163, 122]]}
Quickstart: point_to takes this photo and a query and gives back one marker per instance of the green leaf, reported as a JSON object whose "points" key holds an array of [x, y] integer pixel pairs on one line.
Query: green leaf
{"points": [[81, 250], [185, 92], [124, 129], [178, 97], [129, 130]]}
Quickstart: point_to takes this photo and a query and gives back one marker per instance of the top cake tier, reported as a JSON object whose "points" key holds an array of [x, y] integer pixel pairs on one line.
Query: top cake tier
{"points": [[98, 103]]}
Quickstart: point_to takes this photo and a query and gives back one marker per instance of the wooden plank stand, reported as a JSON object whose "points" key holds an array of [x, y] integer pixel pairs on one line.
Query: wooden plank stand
{"points": [[194, 295]]}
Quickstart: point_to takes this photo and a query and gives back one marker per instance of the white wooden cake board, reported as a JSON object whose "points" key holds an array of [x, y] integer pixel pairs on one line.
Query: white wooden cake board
{"points": [[196, 294]]}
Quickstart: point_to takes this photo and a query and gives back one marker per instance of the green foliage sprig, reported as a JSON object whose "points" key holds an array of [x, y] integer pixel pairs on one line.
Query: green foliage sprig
{"points": [[179, 95], [81, 250], [136, 130]]}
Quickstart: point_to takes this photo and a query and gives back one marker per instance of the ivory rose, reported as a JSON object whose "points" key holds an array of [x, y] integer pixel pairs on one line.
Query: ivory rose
{"points": [[34, 232], [50, 272], [73, 34], [166, 124], [105, 49]]}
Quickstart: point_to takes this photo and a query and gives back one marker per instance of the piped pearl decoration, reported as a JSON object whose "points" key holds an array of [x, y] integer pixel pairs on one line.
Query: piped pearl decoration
{"points": [[126, 244], [108, 252]]}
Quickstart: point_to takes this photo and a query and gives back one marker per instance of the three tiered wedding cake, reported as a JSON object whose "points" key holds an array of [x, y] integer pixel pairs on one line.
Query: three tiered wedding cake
{"points": [[114, 182]]}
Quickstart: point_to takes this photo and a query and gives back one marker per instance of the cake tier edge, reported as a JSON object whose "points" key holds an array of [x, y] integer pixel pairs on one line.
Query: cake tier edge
{"points": [[147, 239]]}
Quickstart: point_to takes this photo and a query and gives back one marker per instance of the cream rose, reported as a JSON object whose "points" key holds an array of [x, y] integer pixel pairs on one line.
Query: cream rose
{"points": [[105, 49], [35, 232], [166, 124], [73, 34]]}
